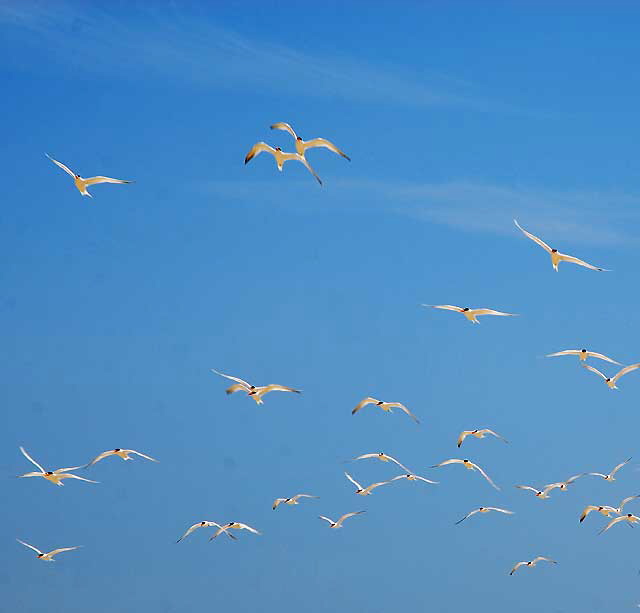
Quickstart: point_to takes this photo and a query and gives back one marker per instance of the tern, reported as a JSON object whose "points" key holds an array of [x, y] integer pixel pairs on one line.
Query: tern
{"points": [[484, 510], [412, 477], [255, 392], [531, 563], [280, 156], [542, 494], [48, 556], [383, 457], [470, 466], [81, 183], [479, 434], [556, 256], [365, 491], [632, 519], [385, 406], [470, 314], [563, 485], [233, 525], [54, 476], [611, 381], [338, 524], [292, 500], [121, 453], [204, 524], [583, 354], [303, 145], [611, 475], [606, 511]]}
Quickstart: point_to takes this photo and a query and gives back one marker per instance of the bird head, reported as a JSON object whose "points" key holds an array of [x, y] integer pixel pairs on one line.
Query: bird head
{"points": [[554, 251], [465, 309], [116, 450]]}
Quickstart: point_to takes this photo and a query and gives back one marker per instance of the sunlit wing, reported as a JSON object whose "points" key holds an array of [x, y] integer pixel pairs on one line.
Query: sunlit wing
{"points": [[257, 149], [595, 370], [61, 165], [534, 238], [103, 455], [142, 455], [236, 379], [490, 312], [281, 125], [323, 142], [348, 476], [29, 546], [569, 258], [95, 180], [26, 455], [625, 370], [446, 307], [363, 403]]}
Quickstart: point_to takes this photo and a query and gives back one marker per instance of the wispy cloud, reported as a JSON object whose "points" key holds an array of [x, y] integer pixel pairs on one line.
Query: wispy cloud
{"points": [[185, 46], [566, 216]]}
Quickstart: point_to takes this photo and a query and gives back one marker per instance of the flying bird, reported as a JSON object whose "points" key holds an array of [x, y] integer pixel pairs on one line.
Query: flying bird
{"points": [[303, 145], [81, 183], [611, 381], [121, 453], [48, 556], [618, 510], [556, 256], [563, 485], [233, 525], [542, 494], [255, 392], [412, 477], [204, 524], [385, 406], [364, 491], [280, 156], [338, 524], [292, 500], [470, 314], [583, 354], [470, 466], [479, 434], [632, 519], [531, 563], [383, 457], [606, 511], [484, 510], [611, 475], [55, 476]]}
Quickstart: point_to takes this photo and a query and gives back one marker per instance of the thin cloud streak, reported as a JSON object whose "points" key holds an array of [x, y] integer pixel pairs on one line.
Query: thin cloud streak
{"points": [[183, 46]]}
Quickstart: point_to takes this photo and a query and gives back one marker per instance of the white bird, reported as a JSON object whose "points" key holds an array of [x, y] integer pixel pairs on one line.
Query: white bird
{"points": [[204, 524], [280, 156], [470, 314], [292, 500], [531, 563], [233, 525], [611, 381], [556, 256], [618, 510], [81, 183], [55, 476], [303, 145], [255, 392], [385, 406], [484, 510], [338, 524], [542, 494], [364, 491], [479, 434], [383, 457], [563, 485], [412, 477], [606, 511], [470, 466], [611, 475], [121, 453], [48, 556], [632, 519], [583, 354]]}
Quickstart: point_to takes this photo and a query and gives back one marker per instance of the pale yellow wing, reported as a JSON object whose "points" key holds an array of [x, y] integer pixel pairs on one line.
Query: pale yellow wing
{"points": [[323, 142], [534, 238], [257, 149], [94, 180]]}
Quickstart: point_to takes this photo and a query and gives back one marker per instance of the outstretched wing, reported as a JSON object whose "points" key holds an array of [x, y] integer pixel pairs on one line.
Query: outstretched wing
{"points": [[403, 408], [347, 516], [484, 474], [29, 546], [103, 455], [462, 436], [569, 258], [323, 142], [626, 370], [257, 149], [326, 519], [70, 476], [492, 433], [595, 370], [26, 455], [534, 238], [516, 567], [363, 403], [446, 307], [467, 516], [274, 387], [619, 466], [601, 356], [142, 455], [281, 125], [57, 551], [451, 461], [565, 352], [94, 180], [249, 528], [236, 379], [490, 312], [348, 476], [542, 558], [612, 522], [629, 498], [61, 165]]}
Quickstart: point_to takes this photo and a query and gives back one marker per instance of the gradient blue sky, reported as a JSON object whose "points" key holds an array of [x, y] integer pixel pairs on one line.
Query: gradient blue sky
{"points": [[458, 117]]}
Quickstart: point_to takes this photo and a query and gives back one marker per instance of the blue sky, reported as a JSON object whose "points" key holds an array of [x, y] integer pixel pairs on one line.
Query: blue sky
{"points": [[458, 117]]}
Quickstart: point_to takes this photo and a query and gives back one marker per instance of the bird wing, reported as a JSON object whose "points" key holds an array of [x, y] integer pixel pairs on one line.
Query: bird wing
{"points": [[601, 356], [595, 370], [302, 159], [190, 530], [586, 511], [619, 466], [542, 559], [490, 312], [527, 487], [57, 551], [64, 470], [323, 142], [487, 431], [612, 522], [500, 510], [34, 474], [326, 519], [569, 258], [94, 180], [281, 125], [467, 516], [398, 463], [70, 476], [297, 496], [29, 546], [535, 239], [103, 455], [236, 379], [363, 403], [425, 480], [236, 387], [219, 530], [625, 370], [565, 352], [451, 461], [65, 168], [574, 477], [249, 528], [484, 474], [347, 516], [375, 485], [274, 387], [627, 499], [26, 455], [277, 502], [142, 455], [516, 567], [462, 436], [446, 307], [364, 456], [403, 408], [598, 475], [348, 476], [257, 149]]}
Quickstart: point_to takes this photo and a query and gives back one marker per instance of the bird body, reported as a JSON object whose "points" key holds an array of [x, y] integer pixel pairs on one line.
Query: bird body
{"points": [[54, 476], [280, 157], [383, 457], [293, 500], [253, 391], [385, 406], [470, 466], [82, 184], [582, 354], [478, 434], [48, 557], [484, 510], [531, 563], [121, 453], [470, 314], [338, 524]]}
